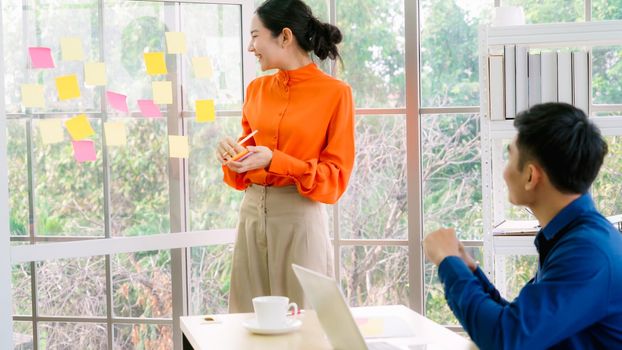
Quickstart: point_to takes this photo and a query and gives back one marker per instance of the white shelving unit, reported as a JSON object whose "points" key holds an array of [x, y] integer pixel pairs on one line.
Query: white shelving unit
{"points": [[492, 41]]}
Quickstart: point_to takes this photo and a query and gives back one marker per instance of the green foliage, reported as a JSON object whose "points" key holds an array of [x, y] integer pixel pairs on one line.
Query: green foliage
{"points": [[143, 34]]}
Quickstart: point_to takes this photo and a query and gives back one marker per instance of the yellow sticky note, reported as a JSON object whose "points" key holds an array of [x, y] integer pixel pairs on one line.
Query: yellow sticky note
{"points": [[79, 127], [71, 49], [178, 146], [51, 131], [95, 74], [205, 111], [67, 87], [162, 92], [32, 96], [202, 67], [371, 327], [175, 42], [155, 63], [115, 134]]}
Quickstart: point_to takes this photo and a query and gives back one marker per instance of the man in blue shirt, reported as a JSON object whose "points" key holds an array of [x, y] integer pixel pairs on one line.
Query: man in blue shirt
{"points": [[575, 299]]}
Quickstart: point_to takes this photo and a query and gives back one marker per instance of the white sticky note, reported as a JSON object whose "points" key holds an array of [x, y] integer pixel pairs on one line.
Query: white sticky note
{"points": [[115, 134], [51, 131], [95, 74], [175, 42], [178, 146], [162, 92], [71, 49], [33, 96]]}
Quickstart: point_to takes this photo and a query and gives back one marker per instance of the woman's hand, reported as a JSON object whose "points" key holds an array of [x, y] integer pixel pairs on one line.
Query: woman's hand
{"points": [[226, 149], [261, 157]]}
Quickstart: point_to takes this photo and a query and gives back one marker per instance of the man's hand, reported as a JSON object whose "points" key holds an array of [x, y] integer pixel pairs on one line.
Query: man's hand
{"points": [[442, 243], [260, 157]]}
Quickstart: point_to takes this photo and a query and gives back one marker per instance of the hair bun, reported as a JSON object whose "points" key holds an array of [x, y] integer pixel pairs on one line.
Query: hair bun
{"points": [[324, 38]]}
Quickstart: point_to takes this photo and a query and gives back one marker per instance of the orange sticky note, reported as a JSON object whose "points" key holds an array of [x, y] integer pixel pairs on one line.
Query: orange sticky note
{"points": [[178, 146], [67, 87], [71, 49], [202, 67], [95, 74], [155, 63], [33, 96], [175, 42], [51, 131], [79, 127], [115, 134], [162, 92], [84, 151], [205, 111]]}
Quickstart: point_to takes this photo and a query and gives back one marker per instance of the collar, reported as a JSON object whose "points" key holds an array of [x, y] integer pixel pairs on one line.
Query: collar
{"points": [[290, 77], [567, 215]]}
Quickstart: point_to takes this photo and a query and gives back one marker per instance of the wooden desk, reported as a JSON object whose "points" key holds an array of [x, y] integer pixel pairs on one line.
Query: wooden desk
{"points": [[229, 333]]}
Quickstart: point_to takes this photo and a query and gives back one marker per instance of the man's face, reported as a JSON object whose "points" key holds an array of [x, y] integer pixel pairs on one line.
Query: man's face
{"points": [[516, 178]]}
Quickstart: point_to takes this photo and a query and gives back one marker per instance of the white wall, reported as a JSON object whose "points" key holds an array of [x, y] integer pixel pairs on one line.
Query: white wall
{"points": [[6, 327]]}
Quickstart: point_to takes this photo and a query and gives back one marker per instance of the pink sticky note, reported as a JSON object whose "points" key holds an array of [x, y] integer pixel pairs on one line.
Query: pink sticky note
{"points": [[84, 151], [117, 101], [148, 108], [41, 57]]}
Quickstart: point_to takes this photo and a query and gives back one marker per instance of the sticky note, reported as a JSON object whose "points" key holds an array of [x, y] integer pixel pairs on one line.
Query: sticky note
{"points": [[205, 111], [115, 134], [178, 146], [371, 327], [84, 151], [162, 92], [155, 63], [175, 42], [71, 49], [202, 67], [67, 87], [95, 74], [32, 96], [79, 127], [41, 57], [117, 101], [51, 131], [148, 108]]}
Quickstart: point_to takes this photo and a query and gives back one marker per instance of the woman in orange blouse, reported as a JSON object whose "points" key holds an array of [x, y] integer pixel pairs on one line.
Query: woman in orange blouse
{"points": [[301, 156]]}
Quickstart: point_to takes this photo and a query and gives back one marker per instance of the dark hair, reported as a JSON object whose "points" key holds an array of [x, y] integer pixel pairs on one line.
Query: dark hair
{"points": [[311, 34], [564, 142]]}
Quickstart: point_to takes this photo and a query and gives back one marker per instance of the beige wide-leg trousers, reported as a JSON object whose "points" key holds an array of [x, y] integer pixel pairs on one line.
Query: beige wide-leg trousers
{"points": [[277, 227]]}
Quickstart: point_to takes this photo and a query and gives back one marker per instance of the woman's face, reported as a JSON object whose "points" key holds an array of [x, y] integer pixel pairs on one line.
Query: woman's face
{"points": [[267, 49]]}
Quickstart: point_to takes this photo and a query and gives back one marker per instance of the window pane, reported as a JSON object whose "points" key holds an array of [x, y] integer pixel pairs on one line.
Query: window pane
{"points": [[375, 275], [606, 9], [72, 287], [143, 336], [18, 176], [131, 28], [22, 336], [451, 174], [69, 195], [449, 58], [373, 51], [139, 191], [550, 11], [14, 54], [21, 287], [210, 274], [214, 31], [607, 75], [608, 184], [513, 272], [436, 307], [72, 336], [374, 205], [213, 204], [48, 22], [142, 284]]}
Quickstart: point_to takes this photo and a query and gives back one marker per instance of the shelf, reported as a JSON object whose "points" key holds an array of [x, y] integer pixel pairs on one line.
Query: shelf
{"points": [[504, 129]]}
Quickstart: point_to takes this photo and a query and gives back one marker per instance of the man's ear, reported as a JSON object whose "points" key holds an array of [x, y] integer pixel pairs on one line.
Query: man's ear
{"points": [[287, 37], [534, 176]]}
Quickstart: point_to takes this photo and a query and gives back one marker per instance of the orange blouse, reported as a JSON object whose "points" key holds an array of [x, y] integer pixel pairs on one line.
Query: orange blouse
{"points": [[306, 118]]}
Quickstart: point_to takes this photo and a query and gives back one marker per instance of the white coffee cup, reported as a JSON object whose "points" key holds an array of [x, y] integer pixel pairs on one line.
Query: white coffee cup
{"points": [[271, 311]]}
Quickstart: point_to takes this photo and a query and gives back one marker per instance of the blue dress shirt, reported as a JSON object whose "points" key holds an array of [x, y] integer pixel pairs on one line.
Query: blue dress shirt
{"points": [[573, 302]]}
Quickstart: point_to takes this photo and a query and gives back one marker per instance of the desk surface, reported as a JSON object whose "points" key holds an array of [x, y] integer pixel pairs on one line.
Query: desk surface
{"points": [[228, 332]]}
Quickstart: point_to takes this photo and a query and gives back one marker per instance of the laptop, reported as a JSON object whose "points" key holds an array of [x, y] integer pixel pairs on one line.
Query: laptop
{"points": [[335, 316]]}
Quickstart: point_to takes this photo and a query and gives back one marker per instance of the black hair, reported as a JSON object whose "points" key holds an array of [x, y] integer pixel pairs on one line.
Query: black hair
{"points": [[564, 142], [311, 34]]}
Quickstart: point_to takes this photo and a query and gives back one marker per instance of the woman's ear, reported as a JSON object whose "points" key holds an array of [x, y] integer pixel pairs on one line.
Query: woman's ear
{"points": [[287, 37]]}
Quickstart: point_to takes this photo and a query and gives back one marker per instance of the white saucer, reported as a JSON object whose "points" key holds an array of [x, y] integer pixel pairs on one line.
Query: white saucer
{"points": [[292, 324]]}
